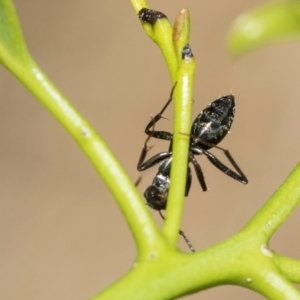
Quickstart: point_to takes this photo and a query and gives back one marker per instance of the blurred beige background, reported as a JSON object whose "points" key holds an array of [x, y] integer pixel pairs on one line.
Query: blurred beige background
{"points": [[62, 236]]}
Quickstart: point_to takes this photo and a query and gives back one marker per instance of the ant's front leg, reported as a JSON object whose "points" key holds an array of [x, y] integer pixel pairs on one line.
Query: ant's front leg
{"points": [[151, 132], [163, 135], [144, 165]]}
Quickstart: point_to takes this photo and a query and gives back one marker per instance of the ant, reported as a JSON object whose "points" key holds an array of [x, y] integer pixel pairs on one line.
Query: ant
{"points": [[208, 130]]}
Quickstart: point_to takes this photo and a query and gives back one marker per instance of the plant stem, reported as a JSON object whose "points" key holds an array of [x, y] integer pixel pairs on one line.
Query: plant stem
{"points": [[183, 99], [277, 209], [120, 185]]}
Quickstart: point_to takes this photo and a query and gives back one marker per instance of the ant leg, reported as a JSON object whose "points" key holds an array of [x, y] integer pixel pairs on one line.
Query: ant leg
{"points": [[217, 163], [142, 165], [182, 234], [151, 161], [232, 161], [188, 181], [199, 172], [144, 152], [163, 135], [239, 177]]}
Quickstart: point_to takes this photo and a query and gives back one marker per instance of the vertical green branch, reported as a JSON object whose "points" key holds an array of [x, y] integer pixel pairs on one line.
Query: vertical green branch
{"points": [[173, 44], [183, 99]]}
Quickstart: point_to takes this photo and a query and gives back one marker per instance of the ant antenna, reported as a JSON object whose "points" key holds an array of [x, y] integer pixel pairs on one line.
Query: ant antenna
{"points": [[182, 234]]}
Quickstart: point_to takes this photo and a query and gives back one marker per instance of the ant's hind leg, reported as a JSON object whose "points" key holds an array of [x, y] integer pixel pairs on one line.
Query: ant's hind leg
{"points": [[234, 164], [217, 163]]}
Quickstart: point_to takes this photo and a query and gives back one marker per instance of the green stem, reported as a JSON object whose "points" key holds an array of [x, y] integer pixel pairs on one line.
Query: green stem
{"points": [[138, 5], [171, 45], [288, 266], [277, 209], [161, 33], [120, 185], [236, 261], [183, 99]]}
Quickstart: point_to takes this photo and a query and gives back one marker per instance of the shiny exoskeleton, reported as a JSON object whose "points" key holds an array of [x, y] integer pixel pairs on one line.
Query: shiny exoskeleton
{"points": [[208, 130]]}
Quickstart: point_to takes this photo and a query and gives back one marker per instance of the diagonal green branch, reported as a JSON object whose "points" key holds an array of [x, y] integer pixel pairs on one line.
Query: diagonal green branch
{"points": [[270, 23], [277, 209], [15, 57], [288, 266]]}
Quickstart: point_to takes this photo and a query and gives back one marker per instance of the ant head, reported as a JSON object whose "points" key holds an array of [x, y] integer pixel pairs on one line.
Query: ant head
{"points": [[155, 199]]}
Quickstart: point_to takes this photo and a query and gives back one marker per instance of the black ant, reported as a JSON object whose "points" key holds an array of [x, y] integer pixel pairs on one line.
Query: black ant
{"points": [[209, 128]]}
